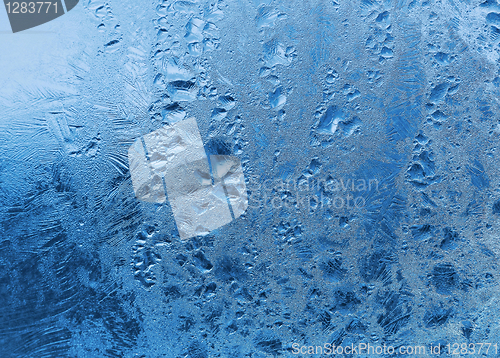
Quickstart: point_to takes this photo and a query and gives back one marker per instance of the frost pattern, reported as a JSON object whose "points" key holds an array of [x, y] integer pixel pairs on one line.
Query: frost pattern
{"points": [[367, 136]]}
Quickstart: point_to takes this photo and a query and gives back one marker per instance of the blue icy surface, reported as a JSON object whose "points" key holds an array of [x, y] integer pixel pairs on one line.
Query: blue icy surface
{"points": [[368, 131]]}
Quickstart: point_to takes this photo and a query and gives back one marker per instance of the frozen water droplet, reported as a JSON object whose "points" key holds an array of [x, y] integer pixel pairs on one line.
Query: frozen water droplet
{"points": [[328, 123], [277, 98], [173, 113]]}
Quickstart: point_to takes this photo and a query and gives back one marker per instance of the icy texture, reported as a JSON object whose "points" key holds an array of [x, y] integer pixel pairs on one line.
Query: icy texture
{"points": [[148, 184], [367, 132], [228, 171]]}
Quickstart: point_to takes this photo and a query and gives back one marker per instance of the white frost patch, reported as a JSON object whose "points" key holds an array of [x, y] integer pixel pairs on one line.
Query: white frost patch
{"points": [[177, 158]]}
